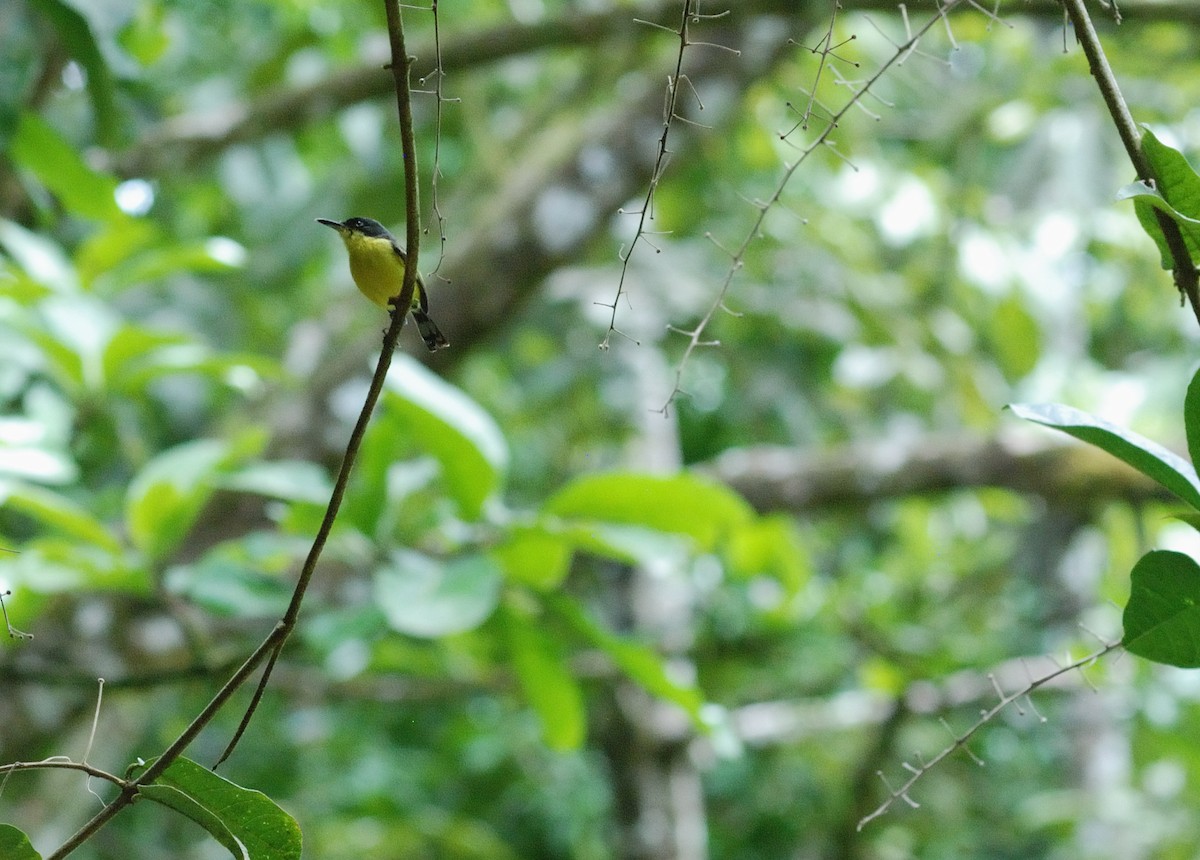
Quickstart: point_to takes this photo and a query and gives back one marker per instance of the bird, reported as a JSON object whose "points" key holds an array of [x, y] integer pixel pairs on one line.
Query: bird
{"points": [[377, 266]]}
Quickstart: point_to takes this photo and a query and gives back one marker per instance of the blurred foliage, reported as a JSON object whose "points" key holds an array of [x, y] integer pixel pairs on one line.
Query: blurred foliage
{"points": [[182, 356]]}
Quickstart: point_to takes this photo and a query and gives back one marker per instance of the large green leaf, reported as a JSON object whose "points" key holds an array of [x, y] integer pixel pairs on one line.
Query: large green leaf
{"points": [[546, 680], [1176, 194], [247, 823], [14, 845], [422, 597], [679, 504], [1162, 618], [456, 430], [1149, 458]]}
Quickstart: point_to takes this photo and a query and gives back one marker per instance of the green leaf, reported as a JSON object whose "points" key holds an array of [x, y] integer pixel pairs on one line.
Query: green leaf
{"points": [[1151, 459], [1192, 520], [169, 492], [128, 349], [1177, 194], [1162, 618], [290, 480], [56, 565], [1016, 338], [35, 462], [679, 504], [639, 662], [442, 420], [225, 584], [1191, 418], [246, 822], [534, 557], [14, 845], [77, 36], [59, 513], [421, 597], [40, 259], [546, 681], [770, 547], [40, 149]]}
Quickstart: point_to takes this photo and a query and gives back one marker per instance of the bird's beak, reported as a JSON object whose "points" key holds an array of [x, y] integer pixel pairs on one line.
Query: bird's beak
{"points": [[336, 225]]}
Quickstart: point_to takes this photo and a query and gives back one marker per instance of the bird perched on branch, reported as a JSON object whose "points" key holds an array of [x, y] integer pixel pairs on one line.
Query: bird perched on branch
{"points": [[377, 266]]}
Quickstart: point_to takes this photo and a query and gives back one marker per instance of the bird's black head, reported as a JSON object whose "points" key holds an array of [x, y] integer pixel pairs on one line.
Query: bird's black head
{"points": [[365, 226]]}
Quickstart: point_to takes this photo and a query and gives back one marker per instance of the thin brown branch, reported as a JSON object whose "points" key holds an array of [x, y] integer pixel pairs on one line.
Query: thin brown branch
{"points": [[62, 763], [399, 311], [271, 647], [696, 337], [670, 114], [1187, 279]]}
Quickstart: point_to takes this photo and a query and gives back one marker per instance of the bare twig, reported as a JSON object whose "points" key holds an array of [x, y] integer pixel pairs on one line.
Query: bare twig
{"points": [[696, 335], [439, 99], [959, 742], [13, 632], [691, 13]]}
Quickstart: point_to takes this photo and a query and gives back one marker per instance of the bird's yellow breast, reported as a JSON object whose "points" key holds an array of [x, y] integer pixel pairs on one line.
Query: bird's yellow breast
{"points": [[375, 266]]}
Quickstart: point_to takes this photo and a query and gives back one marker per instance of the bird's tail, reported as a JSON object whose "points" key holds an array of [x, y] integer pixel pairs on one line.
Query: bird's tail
{"points": [[430, 333]]}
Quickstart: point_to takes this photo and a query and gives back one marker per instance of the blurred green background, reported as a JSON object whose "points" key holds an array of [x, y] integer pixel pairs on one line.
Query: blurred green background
{"points": [[588, 603]]}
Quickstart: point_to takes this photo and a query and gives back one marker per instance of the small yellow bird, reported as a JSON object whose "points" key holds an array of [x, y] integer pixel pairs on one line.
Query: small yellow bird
{"points": [[377, 266]]}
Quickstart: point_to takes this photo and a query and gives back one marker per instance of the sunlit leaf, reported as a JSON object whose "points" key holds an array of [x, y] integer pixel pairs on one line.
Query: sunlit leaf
{"points": [[229, 586], [680, 504], [167, 495], [290, 480], [769, 547], [1151, 459], [41, 260], [58, 513], [1016, 337], [53, 565]]}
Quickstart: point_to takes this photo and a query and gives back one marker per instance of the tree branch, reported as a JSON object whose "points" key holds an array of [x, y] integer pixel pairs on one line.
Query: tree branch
{"points": [[182, 141], [271, 647], [1186, 278], [796, 480]]}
